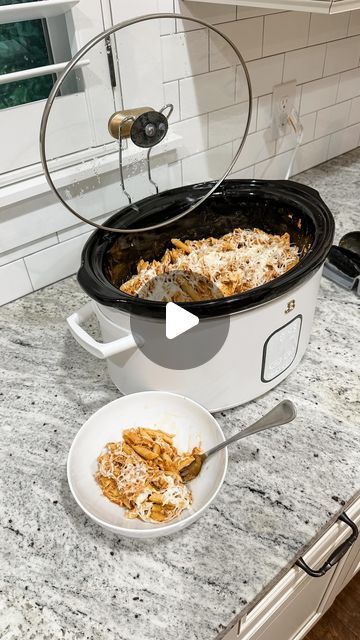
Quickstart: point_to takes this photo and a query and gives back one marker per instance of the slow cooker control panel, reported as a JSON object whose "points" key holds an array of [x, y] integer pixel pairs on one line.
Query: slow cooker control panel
{"points": [[280, 349]]}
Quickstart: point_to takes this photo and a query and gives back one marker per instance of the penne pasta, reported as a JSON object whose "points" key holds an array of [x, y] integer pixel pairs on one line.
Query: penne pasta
{"points": [[181, 245], [144, 452], [211, 268], [142, 475]]}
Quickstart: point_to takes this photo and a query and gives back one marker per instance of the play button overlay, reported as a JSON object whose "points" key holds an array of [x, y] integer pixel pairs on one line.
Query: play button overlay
{"points": [[180, 339], [178, 320]]}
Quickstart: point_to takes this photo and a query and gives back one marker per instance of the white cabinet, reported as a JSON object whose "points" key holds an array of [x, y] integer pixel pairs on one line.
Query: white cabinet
{"points": [[313, 6], [298, 600], [297, 609]]}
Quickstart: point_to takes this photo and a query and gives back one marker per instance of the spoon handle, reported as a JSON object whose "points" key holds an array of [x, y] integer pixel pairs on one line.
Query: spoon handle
{"points": [[282, 413]]}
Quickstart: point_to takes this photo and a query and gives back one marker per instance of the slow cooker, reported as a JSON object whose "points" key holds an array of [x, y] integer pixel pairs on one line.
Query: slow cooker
{"points": [[268, 327]]}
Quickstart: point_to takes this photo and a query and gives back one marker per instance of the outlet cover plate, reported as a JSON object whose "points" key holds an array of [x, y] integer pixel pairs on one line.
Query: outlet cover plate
{"points": [[283, 101]]}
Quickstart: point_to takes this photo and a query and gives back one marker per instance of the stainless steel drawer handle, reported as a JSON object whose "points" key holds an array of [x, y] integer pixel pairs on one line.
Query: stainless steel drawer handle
{"points": [[336, 555]]}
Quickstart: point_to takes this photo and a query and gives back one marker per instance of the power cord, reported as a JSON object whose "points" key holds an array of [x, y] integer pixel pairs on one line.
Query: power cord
{"points": [[298, 129]]}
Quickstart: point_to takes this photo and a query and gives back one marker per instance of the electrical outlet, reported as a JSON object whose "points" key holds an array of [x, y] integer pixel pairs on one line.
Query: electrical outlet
{"points": [[283, 100]]}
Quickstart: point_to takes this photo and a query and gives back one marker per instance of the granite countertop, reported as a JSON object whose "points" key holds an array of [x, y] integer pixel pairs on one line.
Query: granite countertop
{"points": [[63, 576]]}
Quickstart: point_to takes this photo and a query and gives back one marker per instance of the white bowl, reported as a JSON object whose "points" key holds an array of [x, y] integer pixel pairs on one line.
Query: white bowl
{"points": [[193, 426]]}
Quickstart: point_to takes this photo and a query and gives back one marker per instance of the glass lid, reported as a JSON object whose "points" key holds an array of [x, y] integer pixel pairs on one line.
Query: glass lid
{"points": [[154, 103]]}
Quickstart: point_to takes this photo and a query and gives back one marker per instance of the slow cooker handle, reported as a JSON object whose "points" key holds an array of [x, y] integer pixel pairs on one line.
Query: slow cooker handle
{"points": [[100, 350]]}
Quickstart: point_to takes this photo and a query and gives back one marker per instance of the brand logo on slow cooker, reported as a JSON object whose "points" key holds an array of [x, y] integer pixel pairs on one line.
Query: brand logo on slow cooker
{"points": [[290, 306]]}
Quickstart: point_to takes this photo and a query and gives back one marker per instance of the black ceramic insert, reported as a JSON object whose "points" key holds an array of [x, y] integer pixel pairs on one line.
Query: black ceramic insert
{"points": [[108, 259]]}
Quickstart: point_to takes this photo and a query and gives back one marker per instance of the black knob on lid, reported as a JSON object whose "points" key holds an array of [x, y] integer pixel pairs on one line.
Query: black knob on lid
{"points": [[149, 129]]}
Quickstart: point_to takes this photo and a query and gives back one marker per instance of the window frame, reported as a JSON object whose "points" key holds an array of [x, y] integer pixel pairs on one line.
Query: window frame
{"points": [[20, 160]]}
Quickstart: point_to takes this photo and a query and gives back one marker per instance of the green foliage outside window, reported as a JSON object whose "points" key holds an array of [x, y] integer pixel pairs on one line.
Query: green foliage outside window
{"points": [[23, 46]]}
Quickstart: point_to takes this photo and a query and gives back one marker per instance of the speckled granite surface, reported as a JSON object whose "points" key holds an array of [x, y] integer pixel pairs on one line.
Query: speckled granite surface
{"points": [[64, 577]]}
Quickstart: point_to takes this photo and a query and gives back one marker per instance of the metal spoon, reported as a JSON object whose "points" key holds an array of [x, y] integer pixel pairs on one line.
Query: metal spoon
{"points": [[282, 413]]}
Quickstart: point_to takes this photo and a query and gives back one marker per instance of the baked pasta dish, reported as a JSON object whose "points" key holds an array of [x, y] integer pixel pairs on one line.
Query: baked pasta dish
{"points": [[142, 474], [213, 267]]}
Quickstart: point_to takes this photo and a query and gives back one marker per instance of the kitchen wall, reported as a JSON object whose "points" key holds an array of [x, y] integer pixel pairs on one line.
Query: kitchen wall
{"points": [[40, 243]]}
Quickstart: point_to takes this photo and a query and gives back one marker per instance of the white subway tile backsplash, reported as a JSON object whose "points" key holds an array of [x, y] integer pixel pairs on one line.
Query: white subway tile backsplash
{"points": [[228, 124], [55, 263], [14, 281], [193, 134], [209, 12], [275, 168], [171, 96], [324, 28], [354, 115], [174, 177], [304, 65], [244, 174], [344, 140], [30, 220], [258, 146], [185, 54], [208, 165], [264, 112], [349, 85], [168, 179], [342, 55], [311, 154], [26, 249], [79, 229], [319, 94], [264, 74], [207, 92], [247, 37], [332, 119], [74, 232], [354, 23], [285, 31]]}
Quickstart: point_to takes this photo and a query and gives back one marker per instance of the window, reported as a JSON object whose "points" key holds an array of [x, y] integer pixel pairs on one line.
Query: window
{"points": [[37, 39], [24, 45]]}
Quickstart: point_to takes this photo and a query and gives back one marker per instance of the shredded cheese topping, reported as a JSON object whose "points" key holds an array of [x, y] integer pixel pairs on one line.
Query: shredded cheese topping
{"points": [[214, 267], [142, 474]]}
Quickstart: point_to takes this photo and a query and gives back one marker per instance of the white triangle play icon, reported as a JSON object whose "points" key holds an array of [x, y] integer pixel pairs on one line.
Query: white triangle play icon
{"points": [[178, 320]]}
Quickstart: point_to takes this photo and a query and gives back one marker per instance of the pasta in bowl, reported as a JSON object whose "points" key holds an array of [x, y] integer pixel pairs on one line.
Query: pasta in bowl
{"points": [[142, 474], [98, 448]]}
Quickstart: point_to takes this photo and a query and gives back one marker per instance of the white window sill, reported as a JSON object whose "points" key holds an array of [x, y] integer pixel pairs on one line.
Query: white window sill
{"points": [[84, 168]]}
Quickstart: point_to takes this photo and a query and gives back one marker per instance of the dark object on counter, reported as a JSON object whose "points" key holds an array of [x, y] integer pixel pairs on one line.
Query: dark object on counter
{"points": [[351, 241], [343, 267]]}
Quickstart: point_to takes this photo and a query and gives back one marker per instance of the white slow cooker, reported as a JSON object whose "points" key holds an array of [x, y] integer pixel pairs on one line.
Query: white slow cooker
{"points": [[269, 326]]}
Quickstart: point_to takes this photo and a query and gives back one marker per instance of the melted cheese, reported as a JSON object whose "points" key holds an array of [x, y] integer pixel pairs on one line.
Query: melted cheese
{"points": [[176, 495], [136, 480], [236, 262]]}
